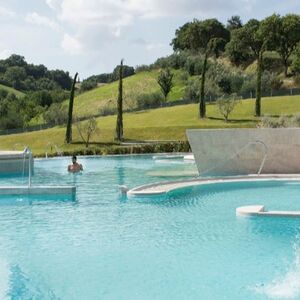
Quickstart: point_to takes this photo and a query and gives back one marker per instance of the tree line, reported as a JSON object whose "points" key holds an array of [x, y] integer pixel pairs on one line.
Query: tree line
{"points": [[18, 74], [242, 43]]}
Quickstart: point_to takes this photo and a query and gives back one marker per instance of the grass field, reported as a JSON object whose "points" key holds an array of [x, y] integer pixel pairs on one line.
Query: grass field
{"points": [[11, 90], [91, 102], [157, 124]]}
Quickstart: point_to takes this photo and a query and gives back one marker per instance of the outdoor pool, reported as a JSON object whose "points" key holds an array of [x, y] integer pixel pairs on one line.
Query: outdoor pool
{"points": [[188, 245]]}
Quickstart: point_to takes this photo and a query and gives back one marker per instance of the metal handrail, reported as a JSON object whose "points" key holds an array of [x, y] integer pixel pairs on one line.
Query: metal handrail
{"points": [[28, 151], [52, 145], [237, 153]]}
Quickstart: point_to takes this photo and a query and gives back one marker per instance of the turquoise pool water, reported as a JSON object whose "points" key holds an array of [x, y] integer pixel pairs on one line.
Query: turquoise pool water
{"points": [[189, 245]]}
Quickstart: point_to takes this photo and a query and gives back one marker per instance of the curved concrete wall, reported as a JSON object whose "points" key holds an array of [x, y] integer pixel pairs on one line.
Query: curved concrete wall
{"points": [[242, 151]]}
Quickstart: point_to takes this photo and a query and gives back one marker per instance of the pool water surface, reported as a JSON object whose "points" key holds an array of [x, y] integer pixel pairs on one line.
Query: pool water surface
{"points": [[187, 245]]}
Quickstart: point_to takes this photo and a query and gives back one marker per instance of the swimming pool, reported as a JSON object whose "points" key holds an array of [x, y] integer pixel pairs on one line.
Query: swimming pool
{"points": [[189, 245]]}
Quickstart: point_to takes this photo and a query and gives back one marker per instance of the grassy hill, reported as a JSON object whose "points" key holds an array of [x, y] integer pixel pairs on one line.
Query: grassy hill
{"points": [[11, 90], [157, 124], [91, 102]]}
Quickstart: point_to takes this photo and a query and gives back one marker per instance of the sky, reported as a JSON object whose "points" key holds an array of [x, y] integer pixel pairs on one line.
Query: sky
{"points": [[92, 36]]}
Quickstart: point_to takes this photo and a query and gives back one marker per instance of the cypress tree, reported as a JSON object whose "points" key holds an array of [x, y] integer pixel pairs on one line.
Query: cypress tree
{"points": [[119, 127], [70, 113]]}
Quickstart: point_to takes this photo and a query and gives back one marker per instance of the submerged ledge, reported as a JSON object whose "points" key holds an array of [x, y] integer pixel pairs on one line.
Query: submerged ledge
{"points": [[259, 210], [161, 188], [37, 190]]}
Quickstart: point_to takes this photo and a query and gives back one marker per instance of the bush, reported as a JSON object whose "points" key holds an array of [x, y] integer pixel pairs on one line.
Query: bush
{"points": [[281, 122], [107, 110], [56, 114], [192, 90], [87, 85], [194, 65], [149, 100], [142, 68]]}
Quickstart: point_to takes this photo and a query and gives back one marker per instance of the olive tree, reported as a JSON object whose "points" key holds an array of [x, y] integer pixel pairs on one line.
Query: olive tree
{"points": [[226, 105], [87, 129]]}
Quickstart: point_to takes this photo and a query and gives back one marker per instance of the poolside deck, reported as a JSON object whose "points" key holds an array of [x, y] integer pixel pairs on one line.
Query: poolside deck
{"points": [[161, 188]]}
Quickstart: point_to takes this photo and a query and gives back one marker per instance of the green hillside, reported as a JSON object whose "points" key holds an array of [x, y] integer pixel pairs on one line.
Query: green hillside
{"points": [[91, 102], [157, 124], [11, 90]]}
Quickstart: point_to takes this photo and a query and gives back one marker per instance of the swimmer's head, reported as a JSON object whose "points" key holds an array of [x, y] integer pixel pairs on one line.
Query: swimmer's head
{"points": [[74, 159]]}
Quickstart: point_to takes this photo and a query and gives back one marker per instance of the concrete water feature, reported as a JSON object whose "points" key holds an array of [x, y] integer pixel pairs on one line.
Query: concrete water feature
{"points": [[224, 152]]}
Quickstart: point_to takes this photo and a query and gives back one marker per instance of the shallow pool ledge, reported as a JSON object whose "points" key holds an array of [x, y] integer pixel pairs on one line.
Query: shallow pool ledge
{"points": [[260, 210], [37, 190], [161, 188]]}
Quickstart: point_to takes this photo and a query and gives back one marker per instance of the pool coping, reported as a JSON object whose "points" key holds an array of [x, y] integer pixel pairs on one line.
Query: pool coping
{"points": [[162, 188]]}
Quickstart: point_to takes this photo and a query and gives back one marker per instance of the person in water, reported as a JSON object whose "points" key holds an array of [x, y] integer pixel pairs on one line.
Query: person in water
{"points": [[75, 166]]}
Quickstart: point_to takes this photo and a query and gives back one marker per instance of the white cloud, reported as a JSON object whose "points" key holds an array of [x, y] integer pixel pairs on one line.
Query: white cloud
{"points": [[53, 4], [71, 45], [35, 18], [5, 12], [106, 20]]}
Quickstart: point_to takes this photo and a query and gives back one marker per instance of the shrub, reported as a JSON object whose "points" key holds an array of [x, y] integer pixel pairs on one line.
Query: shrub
{"points": [[148, 100], [272, 122], [107, 110], [142, 68], [56, 114], [87, 85]]}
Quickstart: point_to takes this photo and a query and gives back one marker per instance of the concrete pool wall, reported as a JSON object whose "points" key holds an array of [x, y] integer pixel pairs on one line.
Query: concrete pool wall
{"points": [[246, 151], [13, 162]]}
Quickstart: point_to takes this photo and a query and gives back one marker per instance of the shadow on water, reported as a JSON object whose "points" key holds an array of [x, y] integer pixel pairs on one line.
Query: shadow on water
{"points": [[21, 286]]}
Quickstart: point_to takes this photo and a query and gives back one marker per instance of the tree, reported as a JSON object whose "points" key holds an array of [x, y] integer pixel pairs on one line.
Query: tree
{"points": [[234, 22], [70, 114], [296, 61], [87, 129], [119, 126], [226, 105], [14, 76], [127, 71], [165, 81], [288, 38], [256, 37], [207, 37]]}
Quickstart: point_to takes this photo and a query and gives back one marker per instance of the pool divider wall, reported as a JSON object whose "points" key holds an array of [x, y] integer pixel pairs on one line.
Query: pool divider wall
{"points": [[13, 162], [223, 152]]}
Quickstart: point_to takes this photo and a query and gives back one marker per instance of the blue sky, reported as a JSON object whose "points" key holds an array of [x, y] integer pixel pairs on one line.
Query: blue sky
{"points": [[91, 36]]}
